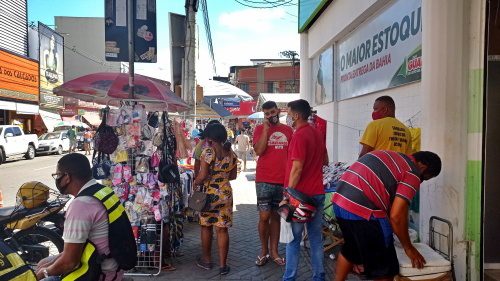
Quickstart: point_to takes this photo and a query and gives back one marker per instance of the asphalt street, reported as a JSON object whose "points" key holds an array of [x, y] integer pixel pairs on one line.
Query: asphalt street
{"points": [[14, 173]]}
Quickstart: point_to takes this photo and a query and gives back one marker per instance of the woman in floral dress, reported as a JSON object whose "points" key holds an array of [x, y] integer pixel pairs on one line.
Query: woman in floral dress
{"points": [[218, 167]]}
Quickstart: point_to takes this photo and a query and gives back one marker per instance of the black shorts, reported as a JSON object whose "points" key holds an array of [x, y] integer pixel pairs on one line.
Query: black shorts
{"points": [[364, 244], [269, 196]]}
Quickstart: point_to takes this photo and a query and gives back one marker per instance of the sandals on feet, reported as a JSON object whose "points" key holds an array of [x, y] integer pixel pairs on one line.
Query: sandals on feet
{"points": [[224, 270], [262, 260], [168, 267], [279, 261], [204, 265]]}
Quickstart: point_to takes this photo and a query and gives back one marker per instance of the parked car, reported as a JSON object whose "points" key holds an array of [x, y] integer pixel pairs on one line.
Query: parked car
{"points": [[14, 143], [53, 143]]}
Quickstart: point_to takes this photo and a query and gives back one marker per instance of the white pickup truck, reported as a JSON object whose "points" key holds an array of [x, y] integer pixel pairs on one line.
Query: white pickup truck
{"points": [[14, 143]]}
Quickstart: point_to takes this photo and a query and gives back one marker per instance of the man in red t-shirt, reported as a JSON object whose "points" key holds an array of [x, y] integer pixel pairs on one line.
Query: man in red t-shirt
{"points": [[306, 157], [271, 141]]}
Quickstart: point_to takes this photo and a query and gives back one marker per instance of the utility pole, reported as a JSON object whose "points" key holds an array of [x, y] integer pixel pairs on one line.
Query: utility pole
{"points": [[292, 56], [131, 47], [189, 71]]}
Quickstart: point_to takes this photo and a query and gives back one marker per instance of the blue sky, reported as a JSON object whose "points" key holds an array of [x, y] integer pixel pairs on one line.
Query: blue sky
{"points": [[239, 33]]}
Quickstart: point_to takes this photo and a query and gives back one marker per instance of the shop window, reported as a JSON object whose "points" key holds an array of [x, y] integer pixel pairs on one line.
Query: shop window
{"points": [[292, 86], [273, 87], [244, 87], [322, 74]]}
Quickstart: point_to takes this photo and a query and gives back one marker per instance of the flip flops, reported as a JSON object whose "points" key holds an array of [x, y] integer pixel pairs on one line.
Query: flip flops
{"points": [[279, 261], [262, 260]]}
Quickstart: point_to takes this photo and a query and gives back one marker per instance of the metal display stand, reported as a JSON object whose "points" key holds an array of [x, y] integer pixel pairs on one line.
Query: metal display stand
{"points": [[149, 261], [149, 255]]}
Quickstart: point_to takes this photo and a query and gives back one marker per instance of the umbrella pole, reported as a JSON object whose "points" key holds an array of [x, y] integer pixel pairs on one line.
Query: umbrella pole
{"points": [[131, 47]]}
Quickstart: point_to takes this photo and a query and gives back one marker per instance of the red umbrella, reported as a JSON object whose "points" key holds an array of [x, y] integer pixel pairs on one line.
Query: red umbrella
{"points": [[109, 88]]}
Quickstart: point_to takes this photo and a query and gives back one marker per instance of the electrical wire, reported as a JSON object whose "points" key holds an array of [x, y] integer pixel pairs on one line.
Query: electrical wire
{"points": [[266, 4], [208, 33]]}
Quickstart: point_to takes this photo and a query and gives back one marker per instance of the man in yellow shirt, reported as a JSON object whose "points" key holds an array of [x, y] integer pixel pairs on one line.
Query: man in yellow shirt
{"points": [[385, 132]]}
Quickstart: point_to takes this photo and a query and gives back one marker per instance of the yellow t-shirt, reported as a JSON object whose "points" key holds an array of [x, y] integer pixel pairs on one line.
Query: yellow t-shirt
{"points": [[388, 134]]}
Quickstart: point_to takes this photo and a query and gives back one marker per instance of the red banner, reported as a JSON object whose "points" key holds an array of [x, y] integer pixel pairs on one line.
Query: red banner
{"points": [[246, 108]]}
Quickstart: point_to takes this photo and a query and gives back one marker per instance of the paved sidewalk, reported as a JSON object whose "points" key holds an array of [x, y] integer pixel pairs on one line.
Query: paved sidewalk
{"points": [[244, 245]]}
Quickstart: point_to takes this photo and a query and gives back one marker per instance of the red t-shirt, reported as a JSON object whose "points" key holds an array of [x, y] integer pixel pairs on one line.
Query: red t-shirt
{"points": [[271, 165], [308, 146]]}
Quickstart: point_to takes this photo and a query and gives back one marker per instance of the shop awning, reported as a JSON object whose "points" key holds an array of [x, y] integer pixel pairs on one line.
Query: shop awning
{"points": [[92, 118], [50, 119], [24, 108]]}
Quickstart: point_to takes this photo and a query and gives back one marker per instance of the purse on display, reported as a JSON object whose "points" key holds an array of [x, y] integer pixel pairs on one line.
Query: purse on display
{"points": [[147, 132], [142, 164], [105, 139], [101, 167], [121, 155], [154, 119]]}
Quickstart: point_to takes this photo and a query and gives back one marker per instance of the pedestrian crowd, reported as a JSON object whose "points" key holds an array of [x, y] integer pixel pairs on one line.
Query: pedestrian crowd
{"points": [[371, 202]]}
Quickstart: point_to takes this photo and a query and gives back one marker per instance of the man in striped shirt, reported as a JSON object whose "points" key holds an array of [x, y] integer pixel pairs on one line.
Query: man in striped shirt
{"points": [[371, 202]]}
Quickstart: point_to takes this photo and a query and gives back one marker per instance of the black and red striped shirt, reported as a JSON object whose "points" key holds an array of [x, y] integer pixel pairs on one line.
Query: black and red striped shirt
{"points": [[370, 185]]}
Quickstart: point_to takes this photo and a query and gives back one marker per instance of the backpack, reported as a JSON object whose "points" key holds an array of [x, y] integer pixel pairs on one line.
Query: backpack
{"points": [[122, 244], [105, 139], [12, 266]]}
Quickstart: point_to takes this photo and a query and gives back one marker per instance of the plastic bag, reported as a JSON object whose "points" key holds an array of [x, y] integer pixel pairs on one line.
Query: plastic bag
{"points": [[286, 233]]}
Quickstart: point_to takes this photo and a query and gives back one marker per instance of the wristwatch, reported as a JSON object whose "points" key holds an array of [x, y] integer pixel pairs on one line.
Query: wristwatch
{"points": [[45, 273]]}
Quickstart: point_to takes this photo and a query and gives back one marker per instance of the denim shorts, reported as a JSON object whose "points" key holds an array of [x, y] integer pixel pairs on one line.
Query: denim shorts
{"points": [[269, 196]]}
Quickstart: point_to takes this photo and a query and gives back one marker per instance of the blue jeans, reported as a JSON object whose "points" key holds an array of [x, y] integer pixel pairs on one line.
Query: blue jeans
{"points": [[314, 232]]}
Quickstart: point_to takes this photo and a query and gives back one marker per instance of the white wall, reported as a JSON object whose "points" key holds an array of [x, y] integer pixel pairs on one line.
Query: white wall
{"points": [[347, 119], [86, 35]]}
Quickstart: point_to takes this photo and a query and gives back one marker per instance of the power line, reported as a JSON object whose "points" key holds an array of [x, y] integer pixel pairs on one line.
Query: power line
{"points": [[208, 33], [266, 4], [73, 49]]}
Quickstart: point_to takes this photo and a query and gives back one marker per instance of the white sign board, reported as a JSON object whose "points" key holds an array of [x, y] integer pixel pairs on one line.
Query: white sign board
{"points": [[384, 52]]}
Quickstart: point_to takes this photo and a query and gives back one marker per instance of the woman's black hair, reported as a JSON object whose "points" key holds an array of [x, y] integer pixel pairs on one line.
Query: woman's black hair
{"points": [[216, 132]]}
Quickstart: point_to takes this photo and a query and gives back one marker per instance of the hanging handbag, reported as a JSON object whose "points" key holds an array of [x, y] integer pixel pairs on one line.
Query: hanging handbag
{"points": [[101, 168], [168, 169], [154, 120], [158, 139], [147, 132], [105, 139]]}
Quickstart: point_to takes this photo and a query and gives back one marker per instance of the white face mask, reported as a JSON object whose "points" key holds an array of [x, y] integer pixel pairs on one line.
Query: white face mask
{"points": [[289, 121]]}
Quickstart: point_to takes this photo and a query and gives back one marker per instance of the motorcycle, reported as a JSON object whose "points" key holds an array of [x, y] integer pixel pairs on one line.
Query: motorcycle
{"points": [[35, 233]]}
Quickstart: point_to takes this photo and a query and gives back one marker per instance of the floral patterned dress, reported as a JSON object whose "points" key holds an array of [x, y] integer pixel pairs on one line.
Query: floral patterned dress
{"points": [[218, 188]]}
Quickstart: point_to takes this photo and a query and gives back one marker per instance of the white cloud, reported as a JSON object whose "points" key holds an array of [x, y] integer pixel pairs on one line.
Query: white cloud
{"points": [[253, 20]]}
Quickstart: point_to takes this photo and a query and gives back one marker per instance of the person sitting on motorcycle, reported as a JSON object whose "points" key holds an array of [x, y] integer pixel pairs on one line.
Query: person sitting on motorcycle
{"points": [[86, 219]]}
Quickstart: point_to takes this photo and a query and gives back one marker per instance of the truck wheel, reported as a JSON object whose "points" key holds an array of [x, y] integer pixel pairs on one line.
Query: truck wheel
{"points": [[30, 154], [1, 156], [60, 150]]}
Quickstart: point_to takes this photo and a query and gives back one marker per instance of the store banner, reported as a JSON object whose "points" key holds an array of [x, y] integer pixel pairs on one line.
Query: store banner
{"points": [[116, 30], [51, 59], [18, 77], [384, 52], [51, 101]]}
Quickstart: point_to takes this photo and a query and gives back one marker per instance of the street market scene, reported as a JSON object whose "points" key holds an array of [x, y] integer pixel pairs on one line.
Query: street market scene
{"points": [[249, 140]]}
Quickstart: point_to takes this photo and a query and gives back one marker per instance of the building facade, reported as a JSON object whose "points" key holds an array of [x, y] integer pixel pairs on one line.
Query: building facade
{"points": [[430, 57], [85, 48], [267, 77], [19, 79]]}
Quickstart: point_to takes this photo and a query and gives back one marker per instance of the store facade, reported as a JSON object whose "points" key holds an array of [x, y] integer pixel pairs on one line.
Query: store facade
{"points": [[19, 90], [427, 55]]}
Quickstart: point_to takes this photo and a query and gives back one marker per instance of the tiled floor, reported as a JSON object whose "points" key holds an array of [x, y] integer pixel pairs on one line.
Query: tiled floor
{"points": [[244, 245]]}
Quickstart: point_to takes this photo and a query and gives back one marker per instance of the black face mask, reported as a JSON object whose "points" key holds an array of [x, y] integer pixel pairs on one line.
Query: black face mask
{"points": [[61, 189], [274, 119]]}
